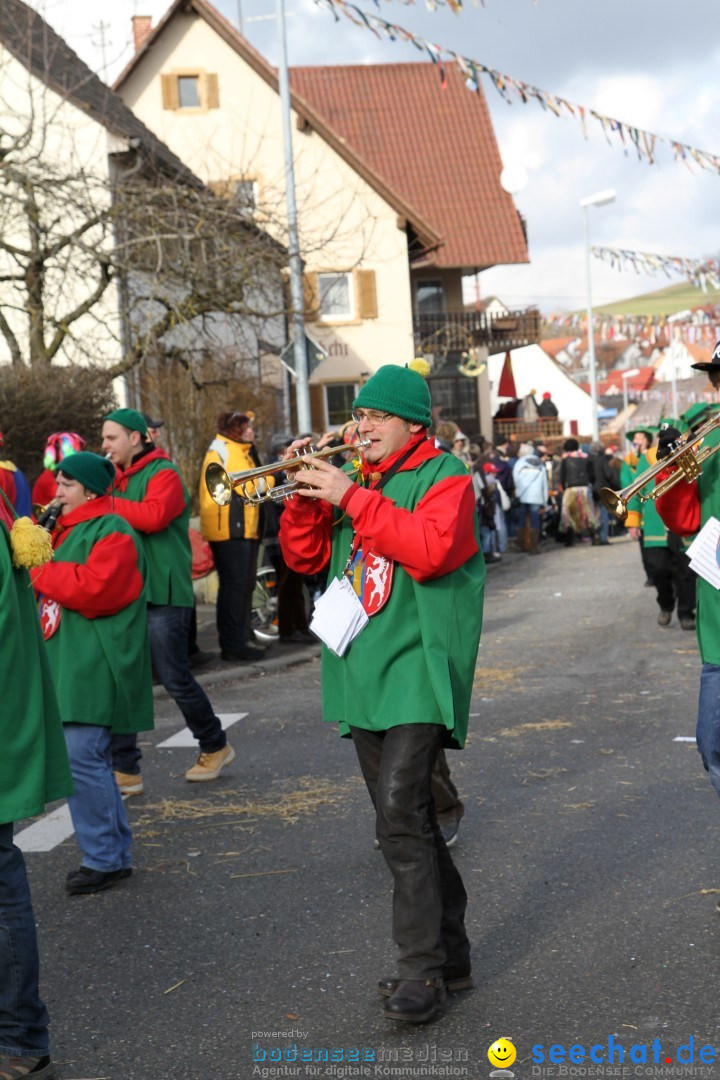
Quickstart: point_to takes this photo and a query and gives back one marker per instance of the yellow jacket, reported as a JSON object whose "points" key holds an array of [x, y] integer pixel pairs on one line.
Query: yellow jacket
{"points": [[236, 521]]}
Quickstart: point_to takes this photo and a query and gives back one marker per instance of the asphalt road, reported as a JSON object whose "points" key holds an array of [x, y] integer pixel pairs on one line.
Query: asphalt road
{"points": [[258, 905]]}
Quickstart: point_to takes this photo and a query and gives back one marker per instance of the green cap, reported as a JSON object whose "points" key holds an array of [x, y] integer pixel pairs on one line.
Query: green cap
{"points": [[130, 419], [647, 429], [397, 390], [701, 410], [92, 471]]}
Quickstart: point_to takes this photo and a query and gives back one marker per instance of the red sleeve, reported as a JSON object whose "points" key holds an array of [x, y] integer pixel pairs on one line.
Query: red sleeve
{"points": [[679, 507], [306, 534], [7, 483], [164, 501], [45, 488], [436, 537], [104, 585]]}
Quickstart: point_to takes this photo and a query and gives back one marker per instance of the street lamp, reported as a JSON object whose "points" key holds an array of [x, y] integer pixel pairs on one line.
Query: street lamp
{"points": [[625, 375], [601, 198]]}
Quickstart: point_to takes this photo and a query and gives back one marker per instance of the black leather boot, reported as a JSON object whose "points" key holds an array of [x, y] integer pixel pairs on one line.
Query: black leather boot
{"points": [[415, 1000], [456, 979]]}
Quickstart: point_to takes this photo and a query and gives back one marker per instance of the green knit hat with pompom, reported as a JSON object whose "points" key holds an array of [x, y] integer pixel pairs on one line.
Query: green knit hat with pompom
{"points": [[401, 391]]}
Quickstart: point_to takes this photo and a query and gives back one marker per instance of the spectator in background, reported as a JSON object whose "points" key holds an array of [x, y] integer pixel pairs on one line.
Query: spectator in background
{"points": [[529, 407], [58, 446], [576, 478], [153, 427], [461, 447], [547, 407], [602, 478], [531, 489], [234, 534]]}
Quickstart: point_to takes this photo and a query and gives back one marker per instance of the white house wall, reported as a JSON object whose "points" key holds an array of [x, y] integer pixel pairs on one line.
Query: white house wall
{"points": [[344, 223]]}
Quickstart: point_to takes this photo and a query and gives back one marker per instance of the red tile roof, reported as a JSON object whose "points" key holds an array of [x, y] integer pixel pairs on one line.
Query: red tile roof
{"points": [[614, 384], [434, 145], [553, 346], [428, 150]]}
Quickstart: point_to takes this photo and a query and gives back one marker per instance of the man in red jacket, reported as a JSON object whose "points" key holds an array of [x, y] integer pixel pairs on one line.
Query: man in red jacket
{"points": [[152, 497]]}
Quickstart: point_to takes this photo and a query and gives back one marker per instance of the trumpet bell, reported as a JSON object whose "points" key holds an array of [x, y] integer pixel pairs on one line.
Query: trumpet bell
{"points": [[218, 484]]}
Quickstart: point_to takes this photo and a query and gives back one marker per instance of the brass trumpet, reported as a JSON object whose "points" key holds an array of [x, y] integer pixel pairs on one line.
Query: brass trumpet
{"points": [[687, 455], [251, 485]]}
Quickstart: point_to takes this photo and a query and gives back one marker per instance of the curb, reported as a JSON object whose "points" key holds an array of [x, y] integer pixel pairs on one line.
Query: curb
{"points": [[245, 671]]}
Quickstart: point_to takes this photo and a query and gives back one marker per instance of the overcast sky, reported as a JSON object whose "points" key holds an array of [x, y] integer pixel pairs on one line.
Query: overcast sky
{"points": [[652, 63]]}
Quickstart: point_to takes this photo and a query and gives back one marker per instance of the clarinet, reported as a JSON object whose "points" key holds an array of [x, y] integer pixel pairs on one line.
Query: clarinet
{"points": [[49, 516]]}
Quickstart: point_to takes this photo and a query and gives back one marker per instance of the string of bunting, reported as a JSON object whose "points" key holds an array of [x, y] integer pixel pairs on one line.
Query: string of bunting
{"points": [[433, 5], [702, 274], [699, 327], [511, 90]]}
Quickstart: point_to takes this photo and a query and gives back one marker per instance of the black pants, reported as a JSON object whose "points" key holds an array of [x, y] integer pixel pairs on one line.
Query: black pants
{"points": [[672, 577], [429, 898], [236, 564], [448, 805]]}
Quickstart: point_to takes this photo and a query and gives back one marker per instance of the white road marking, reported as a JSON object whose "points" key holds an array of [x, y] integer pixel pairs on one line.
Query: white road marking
{"points": [[47, 832], [684, 738], [54, 828], [185, 736]]}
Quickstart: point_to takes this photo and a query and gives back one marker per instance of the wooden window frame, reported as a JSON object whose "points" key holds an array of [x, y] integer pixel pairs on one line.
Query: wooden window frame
{"points": [[207, 89]]}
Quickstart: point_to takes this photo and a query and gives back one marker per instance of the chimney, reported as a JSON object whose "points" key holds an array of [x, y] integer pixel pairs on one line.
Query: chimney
{"points": [[141, 25]]}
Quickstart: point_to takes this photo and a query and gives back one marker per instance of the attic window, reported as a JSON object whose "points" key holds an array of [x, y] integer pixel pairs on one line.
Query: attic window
{"points": [[188, 91]]}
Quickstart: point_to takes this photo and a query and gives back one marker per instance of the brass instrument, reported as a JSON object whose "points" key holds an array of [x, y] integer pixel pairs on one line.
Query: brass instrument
{"points": [[687, 455], [251, 485]]}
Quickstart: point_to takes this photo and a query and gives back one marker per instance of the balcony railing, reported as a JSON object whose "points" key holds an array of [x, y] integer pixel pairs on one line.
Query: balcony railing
{"points": [[447, 331]]}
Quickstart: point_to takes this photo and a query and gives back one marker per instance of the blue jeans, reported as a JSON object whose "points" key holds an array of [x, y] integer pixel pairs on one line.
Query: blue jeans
{"points": [[604, 523], [708, 722], [169, 630], [96, 808], [23, 1017]]}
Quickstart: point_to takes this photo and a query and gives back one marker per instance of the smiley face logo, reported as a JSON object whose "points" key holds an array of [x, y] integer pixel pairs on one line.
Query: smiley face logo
{"points": [[502, 1053]]}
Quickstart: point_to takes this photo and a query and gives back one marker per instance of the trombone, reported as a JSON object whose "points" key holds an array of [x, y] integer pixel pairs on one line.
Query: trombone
{"points": [[251, 485], [687, 455]]}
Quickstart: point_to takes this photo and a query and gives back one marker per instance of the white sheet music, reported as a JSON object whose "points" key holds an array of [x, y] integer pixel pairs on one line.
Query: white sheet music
{"points": [[703, 552], [338, 616]]}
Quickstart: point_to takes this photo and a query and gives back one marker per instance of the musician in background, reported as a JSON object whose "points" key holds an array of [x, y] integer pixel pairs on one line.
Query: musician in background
{"points": [[151, 495], [93, 616], [685, 508], [663, 550], [641, 439]]}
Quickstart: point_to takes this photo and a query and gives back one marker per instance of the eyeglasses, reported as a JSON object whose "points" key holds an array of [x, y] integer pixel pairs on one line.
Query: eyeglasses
{"points": [[372, 416]]}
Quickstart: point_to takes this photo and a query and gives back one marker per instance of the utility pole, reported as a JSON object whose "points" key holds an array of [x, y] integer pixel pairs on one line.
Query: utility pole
{"points": [[302, 392]]}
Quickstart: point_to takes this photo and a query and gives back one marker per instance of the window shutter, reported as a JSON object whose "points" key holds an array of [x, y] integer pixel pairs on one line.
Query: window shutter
{"points": [[170, 97], [212, 91], [317, 408], [221, 188], [311, 299], [367, 294]]}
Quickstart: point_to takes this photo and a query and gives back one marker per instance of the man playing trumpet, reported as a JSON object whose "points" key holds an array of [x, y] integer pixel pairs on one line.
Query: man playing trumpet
{"points": [[403, 532]]}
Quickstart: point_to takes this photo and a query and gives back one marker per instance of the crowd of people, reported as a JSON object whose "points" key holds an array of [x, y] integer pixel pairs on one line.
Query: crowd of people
{"points": [[401, 531]]}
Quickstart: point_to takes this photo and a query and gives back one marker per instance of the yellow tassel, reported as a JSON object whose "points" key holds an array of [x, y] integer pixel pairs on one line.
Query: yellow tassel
{"points": [[31, 544], [420, 366]]}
